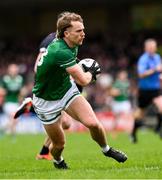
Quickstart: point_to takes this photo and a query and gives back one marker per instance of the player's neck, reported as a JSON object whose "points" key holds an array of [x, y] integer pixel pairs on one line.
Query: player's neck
{"points": [[69, 43]]}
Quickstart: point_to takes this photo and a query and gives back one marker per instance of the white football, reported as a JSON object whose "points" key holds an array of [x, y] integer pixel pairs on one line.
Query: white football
{"points": [[88, 62]]}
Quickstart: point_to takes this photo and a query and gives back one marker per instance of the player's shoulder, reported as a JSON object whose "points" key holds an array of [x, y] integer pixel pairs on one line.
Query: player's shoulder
{"points": [[61, 49], [143, 57], [63, 54], [6, 78], [157, 55], [19, 78]]}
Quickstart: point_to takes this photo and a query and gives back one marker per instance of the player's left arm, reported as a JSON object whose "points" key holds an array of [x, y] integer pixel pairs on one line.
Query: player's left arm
{"points": [[80, 77], [143, 71], [114, 92], [159, 64], [77, 72], [67, 61]]}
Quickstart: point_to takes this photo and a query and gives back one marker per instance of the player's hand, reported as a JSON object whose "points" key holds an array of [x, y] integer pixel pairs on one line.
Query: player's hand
{"points": [[158, 68], [94, 70]]}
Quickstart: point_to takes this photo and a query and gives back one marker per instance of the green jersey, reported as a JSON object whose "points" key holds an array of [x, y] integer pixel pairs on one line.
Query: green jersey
{"points": [[51, 80], [12, 86], [123, 87]]}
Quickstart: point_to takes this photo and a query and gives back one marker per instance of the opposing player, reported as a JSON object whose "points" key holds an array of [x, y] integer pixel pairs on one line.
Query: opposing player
{"points": [[54, 91]]}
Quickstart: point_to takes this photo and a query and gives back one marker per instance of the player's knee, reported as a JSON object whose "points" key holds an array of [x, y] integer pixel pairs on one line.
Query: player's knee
{"points": [[94, 125], [138, 114], [65, 124]]}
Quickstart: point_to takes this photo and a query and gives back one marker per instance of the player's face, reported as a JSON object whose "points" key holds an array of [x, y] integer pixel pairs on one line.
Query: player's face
{"points": [[123, 75], [75, 34], [151, 47], [13, 70]]}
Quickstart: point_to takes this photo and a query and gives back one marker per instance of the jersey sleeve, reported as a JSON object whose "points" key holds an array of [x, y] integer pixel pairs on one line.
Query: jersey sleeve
{"points": [[141, 66], [159, 59], [65, 59]]}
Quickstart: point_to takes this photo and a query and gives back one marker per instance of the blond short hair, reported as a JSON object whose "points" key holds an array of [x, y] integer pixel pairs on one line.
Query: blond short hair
{"points": [[64, 21]]}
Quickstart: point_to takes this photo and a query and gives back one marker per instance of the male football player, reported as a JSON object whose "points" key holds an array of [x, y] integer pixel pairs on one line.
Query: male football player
{"points": [[54, 92]]}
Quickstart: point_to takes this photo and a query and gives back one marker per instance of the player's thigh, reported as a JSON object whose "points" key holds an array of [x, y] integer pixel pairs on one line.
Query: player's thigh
{"points": [[55, 132], [82, 111], [158, 103], [139, 113]]}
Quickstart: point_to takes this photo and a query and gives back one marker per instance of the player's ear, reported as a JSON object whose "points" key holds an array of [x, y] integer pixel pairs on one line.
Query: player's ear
{"points": [[66, 33]]}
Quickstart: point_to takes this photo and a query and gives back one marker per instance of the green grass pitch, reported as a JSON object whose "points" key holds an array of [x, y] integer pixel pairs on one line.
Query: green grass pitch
{"points": [[17, 158]]}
